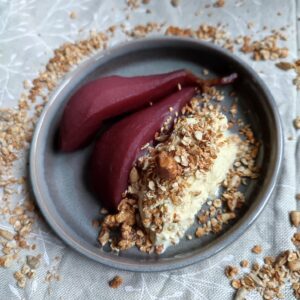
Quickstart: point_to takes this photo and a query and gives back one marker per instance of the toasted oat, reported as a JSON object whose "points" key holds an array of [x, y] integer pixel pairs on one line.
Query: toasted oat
{"points": [[116, 282], [284, 65], [257, 249], [6, 234], [236, 283], [296, 239], [295, 218], [134, 175]]}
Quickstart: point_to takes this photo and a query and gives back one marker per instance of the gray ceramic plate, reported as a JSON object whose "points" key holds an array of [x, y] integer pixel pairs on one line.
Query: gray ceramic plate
{"points": [[58, 179]]}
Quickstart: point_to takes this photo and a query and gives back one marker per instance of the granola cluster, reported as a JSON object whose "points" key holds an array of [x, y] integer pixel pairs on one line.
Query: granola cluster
{"points": [[270, 278], [16, 128], [267, 48], [163, 173]]}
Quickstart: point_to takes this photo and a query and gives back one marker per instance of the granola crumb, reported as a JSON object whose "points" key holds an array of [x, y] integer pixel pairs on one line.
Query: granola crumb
{"points": [[231, 271], [200, 232], [257, 249], [189, 237], [73, 15], [175, 3], [297, 122], [244, 263], [116, 282], [219, 3], [21, 279], [236, 283], [295, 218], [297, 196], [103, 211], [95, 223]]}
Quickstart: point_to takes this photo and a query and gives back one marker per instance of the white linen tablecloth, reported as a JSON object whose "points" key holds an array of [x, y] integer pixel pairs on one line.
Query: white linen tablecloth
{"points": [[30, 30]]}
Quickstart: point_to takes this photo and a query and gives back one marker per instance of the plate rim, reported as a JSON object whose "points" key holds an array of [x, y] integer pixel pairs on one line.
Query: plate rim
{"points": [[234, 233]]}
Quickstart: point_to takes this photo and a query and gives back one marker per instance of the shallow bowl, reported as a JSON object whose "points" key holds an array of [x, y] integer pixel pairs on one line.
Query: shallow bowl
{"points": [[59, 179]]}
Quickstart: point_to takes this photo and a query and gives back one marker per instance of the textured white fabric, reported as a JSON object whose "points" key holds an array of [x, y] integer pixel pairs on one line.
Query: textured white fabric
{"points": [[30, 30]]}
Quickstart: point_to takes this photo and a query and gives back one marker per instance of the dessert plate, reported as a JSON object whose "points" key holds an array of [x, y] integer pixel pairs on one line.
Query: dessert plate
{"points": [[59, 179]]}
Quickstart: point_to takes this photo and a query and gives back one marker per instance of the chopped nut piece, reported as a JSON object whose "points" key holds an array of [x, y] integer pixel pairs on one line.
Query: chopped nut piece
{"points": [[257, 249], [295, 218], [167, 167], [116, 282]]}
